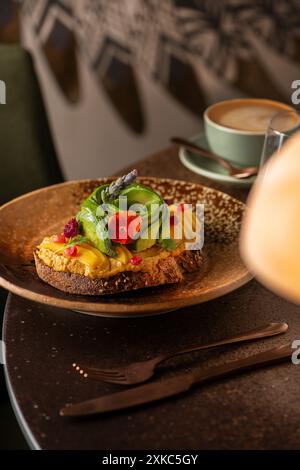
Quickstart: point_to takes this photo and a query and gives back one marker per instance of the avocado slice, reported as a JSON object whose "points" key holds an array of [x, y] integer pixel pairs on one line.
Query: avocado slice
{"points": [[94, 200], [137, 193], [145, 243], [93, 227], [95, 230]]}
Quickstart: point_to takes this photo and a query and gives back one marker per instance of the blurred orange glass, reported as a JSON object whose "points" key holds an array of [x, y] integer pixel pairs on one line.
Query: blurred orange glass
{"points": [[270, 236]]}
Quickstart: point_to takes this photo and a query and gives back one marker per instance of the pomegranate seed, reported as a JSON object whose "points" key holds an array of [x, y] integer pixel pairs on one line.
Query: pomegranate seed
{"points": [[173, 220], [71, 251], [71, 228], [59, 238], [135, 260]]}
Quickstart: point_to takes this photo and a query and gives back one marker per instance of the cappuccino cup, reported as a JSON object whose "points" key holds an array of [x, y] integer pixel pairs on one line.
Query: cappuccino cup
{"points": [[235, 129]]}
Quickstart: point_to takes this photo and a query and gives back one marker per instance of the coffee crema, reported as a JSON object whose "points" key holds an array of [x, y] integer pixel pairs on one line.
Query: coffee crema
{"points": [[250, 115]]}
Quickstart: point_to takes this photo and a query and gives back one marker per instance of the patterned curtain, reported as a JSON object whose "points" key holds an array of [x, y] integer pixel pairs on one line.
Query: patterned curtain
{"points": [[173, 41]]}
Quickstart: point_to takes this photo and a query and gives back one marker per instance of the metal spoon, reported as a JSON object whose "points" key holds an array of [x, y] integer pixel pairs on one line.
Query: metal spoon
{"points": [[236, 172]]}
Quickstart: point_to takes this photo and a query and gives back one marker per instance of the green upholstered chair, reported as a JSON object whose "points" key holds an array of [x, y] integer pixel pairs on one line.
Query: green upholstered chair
{"points": [[27, 155]]}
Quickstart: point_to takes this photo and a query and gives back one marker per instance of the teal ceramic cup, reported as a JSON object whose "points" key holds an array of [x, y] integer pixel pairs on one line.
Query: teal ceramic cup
{"points": [[238, 145]]}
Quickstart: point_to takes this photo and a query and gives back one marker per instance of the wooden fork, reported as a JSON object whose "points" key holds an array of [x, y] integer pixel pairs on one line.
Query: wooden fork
{"points": [[139, 372]]}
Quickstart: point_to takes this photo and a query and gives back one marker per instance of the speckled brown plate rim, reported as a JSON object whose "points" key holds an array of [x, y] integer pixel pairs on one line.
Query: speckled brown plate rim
{"points": [[119, 308]]}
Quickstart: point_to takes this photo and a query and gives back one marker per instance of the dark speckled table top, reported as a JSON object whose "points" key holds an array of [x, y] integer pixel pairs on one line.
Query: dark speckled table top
{"points": [[255, 410]]}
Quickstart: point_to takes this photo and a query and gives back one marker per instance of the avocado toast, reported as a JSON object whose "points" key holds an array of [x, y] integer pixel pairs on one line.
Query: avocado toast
{"points": [[124, 237]]}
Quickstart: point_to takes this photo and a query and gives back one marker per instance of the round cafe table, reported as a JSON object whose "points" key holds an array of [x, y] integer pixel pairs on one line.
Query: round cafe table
{"points": [[259, 409]]}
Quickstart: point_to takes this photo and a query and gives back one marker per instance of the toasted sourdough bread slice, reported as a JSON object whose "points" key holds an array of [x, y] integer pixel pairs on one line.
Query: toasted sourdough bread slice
{"points": [[167, 271]]}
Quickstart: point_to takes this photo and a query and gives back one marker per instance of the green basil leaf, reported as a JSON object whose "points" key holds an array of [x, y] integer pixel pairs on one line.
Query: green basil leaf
{"points": [[168, 244]]}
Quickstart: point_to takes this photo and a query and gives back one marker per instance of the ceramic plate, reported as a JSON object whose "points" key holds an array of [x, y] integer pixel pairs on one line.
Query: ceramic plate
{"points": [[207, 167], [27, 219]]}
